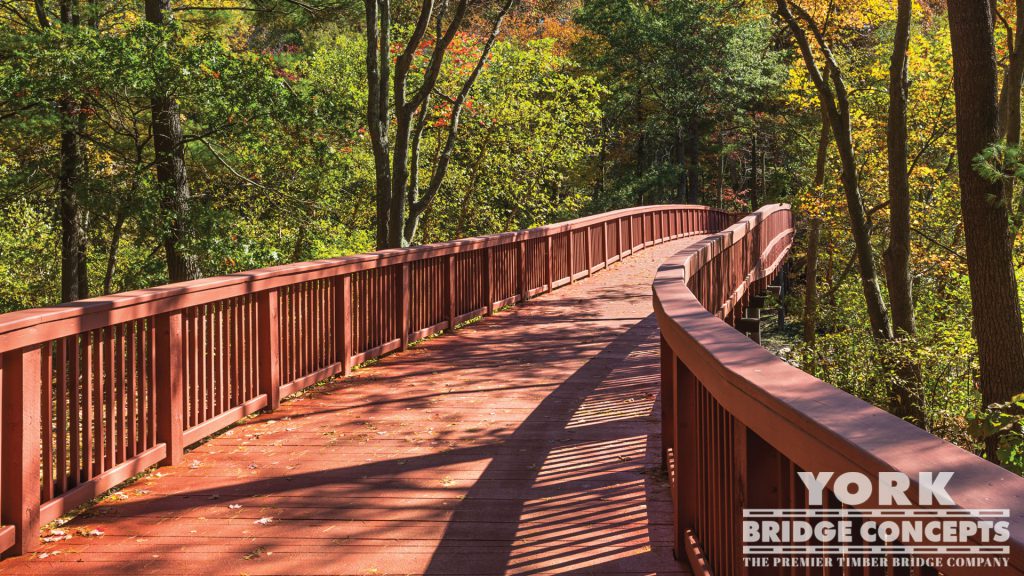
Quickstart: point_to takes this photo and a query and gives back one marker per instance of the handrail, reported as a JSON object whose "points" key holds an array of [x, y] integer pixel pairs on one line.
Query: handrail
{"points": [[96, 391], [740, 422]]}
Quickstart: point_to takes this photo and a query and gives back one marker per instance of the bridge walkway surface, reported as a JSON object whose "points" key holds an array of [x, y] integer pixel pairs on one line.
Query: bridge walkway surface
{"points": [[526, 443]]}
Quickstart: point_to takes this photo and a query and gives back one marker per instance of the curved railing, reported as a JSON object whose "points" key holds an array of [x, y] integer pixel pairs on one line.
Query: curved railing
{"points": [[98, 390], [739, 423]]}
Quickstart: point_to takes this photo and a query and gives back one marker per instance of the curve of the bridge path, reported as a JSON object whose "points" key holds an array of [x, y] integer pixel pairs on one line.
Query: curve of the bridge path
{"points": [[527, 443]]}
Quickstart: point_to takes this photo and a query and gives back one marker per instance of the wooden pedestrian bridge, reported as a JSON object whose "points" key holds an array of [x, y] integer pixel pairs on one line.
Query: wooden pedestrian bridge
{"points": [[303, 419]]}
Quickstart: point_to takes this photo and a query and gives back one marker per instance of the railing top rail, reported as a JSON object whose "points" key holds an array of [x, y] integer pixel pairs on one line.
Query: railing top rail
{"points": [[815, 425], [32, 326]]}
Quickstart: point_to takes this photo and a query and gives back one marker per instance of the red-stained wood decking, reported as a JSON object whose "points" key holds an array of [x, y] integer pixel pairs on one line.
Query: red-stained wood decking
{"points": [[526, 444]]}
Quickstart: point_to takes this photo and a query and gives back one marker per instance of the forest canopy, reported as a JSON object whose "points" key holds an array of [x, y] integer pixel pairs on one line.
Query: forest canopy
{"points": [[143, 143]]}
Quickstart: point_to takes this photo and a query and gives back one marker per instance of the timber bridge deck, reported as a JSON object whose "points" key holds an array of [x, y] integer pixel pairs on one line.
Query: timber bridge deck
{"points": [[587, 431]]}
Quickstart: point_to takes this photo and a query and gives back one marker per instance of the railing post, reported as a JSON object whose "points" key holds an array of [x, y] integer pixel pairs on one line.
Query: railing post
{"points": [[588, 259], [269, 344], [405, 305], [522, 270], [343, 321], [22, 371], [489, 287], [618, 237], [549, 277], [170, 423], [451, 291]]}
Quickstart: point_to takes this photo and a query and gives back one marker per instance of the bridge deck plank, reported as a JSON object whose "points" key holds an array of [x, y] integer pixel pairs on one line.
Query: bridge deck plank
{"points": [[527, 443]]}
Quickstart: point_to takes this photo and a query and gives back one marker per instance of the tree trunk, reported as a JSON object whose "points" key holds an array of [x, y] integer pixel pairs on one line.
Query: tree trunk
{"points": [[399, 181], [897, 254], [115, 244], [679, 154], [171, 176], [861, 232], [834, 99], [692, 166], [811, 282], [994, 300], [1009, 100], [378, 114], [721, 170], [399, 202], [74, 273], [810, 323], [753, 173], [905, 398]]}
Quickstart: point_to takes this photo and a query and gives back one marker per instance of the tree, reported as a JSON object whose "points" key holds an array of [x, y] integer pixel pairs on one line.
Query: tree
{"points": [[899, 279], [74, 278], [810, 319], [906, 401], [397, 163], [171, 174], [834, 98], [984, 206], [667, 98]]}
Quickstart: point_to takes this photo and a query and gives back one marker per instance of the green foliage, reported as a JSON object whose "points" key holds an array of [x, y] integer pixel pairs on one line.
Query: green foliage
{"points": [[682, 74], [1005, 420], [277, 156], [526, 131]]}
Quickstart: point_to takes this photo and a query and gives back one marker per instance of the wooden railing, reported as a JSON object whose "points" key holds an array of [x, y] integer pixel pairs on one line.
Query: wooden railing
{"points": [[98, 390], [739, 423]]}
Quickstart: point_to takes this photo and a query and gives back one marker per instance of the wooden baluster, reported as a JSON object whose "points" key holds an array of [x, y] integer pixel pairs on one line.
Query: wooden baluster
{"points": [[521, 263], [109, 396], [46, 418], [75, 346], [405, 304], [604, 243], [343, 321], [738, 499], [570, 252], [668, 385], [63, 403], [22, 378], [450, 289], [618, 237], [170, 423], [97, 405], [548, 276], [489, 287], [588, 253], [685, 447], [269, 347]]}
